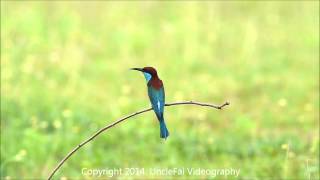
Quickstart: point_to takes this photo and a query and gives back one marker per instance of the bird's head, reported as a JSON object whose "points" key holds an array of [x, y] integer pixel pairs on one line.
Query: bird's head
{"points": [[148, 72]]}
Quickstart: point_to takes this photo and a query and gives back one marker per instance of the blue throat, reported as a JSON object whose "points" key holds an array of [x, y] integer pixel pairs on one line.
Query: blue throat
{"points": [[147, 76]]}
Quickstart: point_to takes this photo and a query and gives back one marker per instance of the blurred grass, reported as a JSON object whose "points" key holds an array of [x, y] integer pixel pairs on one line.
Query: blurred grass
{"points": [[64, 74]]}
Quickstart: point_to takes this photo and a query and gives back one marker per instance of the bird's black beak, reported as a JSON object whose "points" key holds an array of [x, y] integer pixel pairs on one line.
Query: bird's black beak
{"points": [[137, 69]]}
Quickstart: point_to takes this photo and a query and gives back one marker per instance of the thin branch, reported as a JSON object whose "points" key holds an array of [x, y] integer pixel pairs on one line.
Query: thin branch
{"points": [[122, 119]]}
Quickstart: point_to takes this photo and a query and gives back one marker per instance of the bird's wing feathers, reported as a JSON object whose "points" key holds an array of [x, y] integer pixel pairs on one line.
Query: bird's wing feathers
{"points": [[157, 98]]}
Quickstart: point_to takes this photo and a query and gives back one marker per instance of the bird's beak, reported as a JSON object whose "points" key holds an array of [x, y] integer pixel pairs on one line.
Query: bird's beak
{"points": [[137, 69]]}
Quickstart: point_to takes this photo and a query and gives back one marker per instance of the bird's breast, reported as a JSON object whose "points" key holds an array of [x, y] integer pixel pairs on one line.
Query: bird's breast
{"points": [[155, 83]]}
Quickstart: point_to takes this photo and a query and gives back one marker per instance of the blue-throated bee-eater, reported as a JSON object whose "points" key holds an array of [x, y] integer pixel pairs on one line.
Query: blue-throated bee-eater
{"points": [[156, 96]]}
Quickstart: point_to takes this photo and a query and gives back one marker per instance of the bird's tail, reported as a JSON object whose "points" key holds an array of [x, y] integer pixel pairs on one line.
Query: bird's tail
{"points": [[164, 133]]}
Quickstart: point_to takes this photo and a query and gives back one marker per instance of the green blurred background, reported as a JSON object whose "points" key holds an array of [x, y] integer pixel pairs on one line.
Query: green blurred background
{"points": [[64, 75]]}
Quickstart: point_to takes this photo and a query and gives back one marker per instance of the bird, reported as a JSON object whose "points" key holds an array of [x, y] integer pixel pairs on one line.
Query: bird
{"points": [[156, 95]]}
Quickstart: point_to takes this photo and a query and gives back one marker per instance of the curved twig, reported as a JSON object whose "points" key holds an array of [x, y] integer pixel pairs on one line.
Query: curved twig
{"points": [[122, 119]]}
